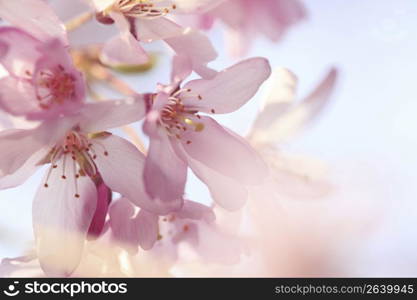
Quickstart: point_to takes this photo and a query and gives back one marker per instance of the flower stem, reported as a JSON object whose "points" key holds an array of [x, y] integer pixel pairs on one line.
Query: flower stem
{"points": [[103, 74], [78, 21]]}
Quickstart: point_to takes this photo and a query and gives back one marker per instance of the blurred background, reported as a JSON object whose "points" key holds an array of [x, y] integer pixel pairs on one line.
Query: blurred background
{"points": [[366, 138]]}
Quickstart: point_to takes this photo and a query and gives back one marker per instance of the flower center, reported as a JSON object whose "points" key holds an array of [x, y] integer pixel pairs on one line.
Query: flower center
{"points": [[77, 152], [148, 9], [54, 86], [177, 118]]}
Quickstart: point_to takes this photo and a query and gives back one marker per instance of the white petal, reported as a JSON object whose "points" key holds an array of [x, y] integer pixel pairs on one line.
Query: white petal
{"points": [[61, 219]]}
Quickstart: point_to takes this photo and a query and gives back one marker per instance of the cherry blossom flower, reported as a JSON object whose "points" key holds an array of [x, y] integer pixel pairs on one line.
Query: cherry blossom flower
{"points": [[192, 234], [42, 81], [147, 21], [35, 17], [187, 234], [133, 227], [82, 156], [181, 137], [282, 117], [247, 19]]}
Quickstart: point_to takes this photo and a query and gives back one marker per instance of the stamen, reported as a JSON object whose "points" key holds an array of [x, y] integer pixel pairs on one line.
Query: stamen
{"points": [[54, 86], [176, 117], [55, 153], [81, 150], [63, 167], [147, 9]]}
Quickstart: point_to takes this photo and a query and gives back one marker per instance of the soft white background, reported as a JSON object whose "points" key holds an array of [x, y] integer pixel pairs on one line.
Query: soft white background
{"points": [[367, 136]]}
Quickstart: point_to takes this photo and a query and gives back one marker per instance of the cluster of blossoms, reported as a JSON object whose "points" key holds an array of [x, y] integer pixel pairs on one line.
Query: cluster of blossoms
{"points": [[49, 85]]}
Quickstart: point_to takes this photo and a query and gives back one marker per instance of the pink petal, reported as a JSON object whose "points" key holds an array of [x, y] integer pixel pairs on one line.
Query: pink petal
{"points": [[198, 48], [181, 68], [185, 42], [225, 191], [121, 170], [165, 173], [123, 49], [215, 246], [34, 16], [17, 96], [21, 52], [61, 219], [147, 224], [232, 13], [149, 30], [55, 55], [318, 99], [17, 146], [277, 17], [3, 48], [104, 196], [238, 42], [282, 86], [109, 114], [196, 211], [131, 230], [206, 22], [99, 5], [27, 60], [280, 121], [124, 230], [224, 152], [231, 88], [189, 235], [10, 266], [196, 6], [25, 171]]}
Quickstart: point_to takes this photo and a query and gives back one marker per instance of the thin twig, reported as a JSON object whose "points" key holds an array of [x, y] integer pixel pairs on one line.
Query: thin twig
{"points": [[78, 21]]}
